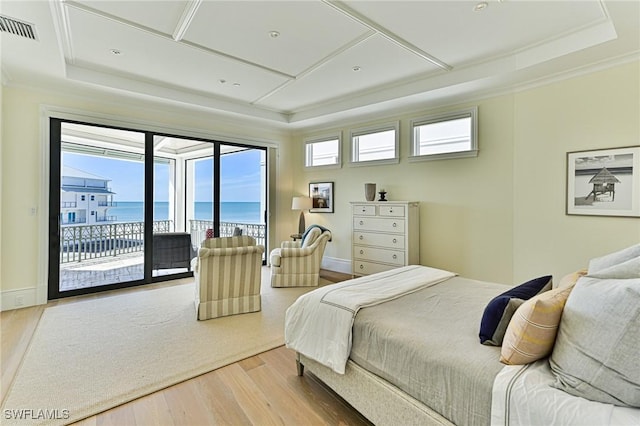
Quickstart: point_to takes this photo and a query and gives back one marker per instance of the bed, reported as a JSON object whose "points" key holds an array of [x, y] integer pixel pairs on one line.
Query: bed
{"points": [[413, 354]]}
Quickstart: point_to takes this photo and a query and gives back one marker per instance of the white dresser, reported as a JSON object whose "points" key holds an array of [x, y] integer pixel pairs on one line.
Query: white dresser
{"points": [[385, 235]]}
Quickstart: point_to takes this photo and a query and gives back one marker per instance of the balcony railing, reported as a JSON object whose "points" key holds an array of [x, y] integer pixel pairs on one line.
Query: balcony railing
{"points": [[68, 204], [78, 243], [107, 203], [83, 242], [198, 229], [106, 218]]}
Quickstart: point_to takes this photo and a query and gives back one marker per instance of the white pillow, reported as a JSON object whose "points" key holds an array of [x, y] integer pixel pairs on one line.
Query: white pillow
{"points": [[596, 351], [612, 259], [628, 269]]}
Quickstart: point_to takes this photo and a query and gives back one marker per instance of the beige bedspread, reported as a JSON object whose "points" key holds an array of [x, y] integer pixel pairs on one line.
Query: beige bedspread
{"points": [[426, 343]]}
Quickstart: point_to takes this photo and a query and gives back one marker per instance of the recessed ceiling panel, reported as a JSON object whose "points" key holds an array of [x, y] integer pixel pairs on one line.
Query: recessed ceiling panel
{"points": [[374, 62], [308, 31], [458, 34], [161, 16], [154, 58]]}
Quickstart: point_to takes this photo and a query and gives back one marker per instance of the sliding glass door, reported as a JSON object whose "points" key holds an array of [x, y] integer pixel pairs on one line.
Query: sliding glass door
{"points": [[228, 193], [97, 195], [130, 207], [242, 194]]}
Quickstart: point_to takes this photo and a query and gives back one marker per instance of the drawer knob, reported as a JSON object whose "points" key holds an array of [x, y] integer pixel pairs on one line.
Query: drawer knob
{"points": [[361, 251], [390, 210], [395, 225], [395, 256], [395, 241], [361, 266], [364, 210], [361, 223], [361, 237]]}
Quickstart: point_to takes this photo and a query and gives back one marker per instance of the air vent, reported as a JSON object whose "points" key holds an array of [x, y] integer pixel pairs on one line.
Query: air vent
{"points": [[19, 28]]}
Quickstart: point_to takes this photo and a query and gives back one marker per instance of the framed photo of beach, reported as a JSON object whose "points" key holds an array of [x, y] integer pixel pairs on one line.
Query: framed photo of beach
{"points": [[604, 182], [322, 195]]}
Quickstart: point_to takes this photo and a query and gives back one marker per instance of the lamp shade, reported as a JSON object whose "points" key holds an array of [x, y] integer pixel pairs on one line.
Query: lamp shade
{"points": [[301, 203]]}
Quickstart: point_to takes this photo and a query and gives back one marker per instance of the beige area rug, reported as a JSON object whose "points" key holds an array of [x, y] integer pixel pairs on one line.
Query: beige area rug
{"points": [[88, 356]]}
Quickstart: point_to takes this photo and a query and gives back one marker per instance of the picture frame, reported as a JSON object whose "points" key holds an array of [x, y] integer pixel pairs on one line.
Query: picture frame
{"points": [[604, 182], [322, 195]]}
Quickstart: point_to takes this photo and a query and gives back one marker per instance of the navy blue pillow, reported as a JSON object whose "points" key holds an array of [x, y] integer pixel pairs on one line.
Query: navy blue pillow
{"points": [[499, 311]]}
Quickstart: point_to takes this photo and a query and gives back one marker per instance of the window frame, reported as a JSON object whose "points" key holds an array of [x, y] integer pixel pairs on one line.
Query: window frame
{"points": [[439, 118], [319, 139], [379, 128]]}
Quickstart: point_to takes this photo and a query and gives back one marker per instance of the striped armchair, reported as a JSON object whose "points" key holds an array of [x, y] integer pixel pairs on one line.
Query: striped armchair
{"points": [[228, 275], [297, 263]]}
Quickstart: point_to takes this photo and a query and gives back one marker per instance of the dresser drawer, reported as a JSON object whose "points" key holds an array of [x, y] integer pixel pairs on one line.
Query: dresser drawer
{"points": [[378, 224], [383, 240], [366, 268], [395, 257], [391, 211], [364, 210]]}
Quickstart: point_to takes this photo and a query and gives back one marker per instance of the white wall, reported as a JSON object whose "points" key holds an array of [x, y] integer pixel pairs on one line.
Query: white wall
{"points": [[498, 217], [24, 230], [599, 110], [501, 216]]}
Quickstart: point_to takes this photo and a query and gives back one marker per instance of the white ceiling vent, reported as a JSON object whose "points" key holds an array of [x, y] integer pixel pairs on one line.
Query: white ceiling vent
{"points": [[19, 28]]}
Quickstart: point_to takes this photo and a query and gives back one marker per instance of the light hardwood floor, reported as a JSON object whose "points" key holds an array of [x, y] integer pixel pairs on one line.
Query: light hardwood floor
{"points": [[261, 390]]}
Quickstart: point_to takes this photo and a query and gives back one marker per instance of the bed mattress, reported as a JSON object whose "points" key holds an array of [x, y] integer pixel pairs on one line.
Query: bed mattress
{"points": [[426, 343]]}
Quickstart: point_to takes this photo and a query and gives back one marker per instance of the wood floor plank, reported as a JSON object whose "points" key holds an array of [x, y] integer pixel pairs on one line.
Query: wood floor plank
{"points": [[220, 399], [152, 410], [310, 391], [259, 390], [283, 397], [121, 415], [185, 405], [249, 397]]}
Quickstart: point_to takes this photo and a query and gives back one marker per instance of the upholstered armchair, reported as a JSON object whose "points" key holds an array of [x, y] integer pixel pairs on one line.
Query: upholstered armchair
{"points": [[228, 276], [297, 263]]}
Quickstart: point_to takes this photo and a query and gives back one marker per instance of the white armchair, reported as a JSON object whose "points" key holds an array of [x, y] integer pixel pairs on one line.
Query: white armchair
{"points": [[228, 276], [297, 263]]}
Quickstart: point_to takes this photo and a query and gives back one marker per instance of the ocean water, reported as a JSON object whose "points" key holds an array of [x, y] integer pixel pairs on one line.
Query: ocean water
{"points": [[242, 212]]}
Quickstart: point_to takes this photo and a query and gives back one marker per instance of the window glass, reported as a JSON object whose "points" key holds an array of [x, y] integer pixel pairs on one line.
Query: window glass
{"points": [[322, 152], [375, 144], [445, 136]]}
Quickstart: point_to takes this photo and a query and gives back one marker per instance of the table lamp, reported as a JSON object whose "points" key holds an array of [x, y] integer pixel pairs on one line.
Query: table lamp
{"points": [[302, 204]]}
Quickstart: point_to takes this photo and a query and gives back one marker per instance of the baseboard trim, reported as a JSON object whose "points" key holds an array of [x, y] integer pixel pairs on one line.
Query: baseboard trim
{"points": [[18, 298], [336, 264]]}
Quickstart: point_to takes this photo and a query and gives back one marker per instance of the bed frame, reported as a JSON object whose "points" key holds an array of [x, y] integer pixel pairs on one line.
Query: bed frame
{"points": [[376, 399]]}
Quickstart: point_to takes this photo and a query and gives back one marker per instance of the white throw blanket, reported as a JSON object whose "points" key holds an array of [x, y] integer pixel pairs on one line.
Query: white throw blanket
{"points": [[319, 323]]}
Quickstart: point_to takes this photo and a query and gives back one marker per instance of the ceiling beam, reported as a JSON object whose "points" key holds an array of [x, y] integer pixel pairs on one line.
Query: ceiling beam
{"points": [[185, 20], [347, 11]]}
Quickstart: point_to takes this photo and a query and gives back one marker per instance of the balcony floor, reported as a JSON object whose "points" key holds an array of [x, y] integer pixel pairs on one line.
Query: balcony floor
{"points": [[106, 270]]}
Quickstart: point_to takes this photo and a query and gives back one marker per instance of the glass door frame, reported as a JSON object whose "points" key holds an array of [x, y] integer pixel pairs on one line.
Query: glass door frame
{"points": [[53, 231]]}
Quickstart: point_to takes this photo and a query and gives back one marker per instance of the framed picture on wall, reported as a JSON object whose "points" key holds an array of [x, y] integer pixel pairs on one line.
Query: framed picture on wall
{"points": [[604, 182], [322, 195]]}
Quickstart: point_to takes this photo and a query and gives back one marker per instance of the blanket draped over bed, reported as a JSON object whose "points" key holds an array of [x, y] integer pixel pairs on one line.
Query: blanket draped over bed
{"points": [[319, 324]]}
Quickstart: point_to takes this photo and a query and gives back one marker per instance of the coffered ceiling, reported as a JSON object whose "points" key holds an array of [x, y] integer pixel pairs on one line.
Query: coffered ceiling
{"points": [[299, 62]]}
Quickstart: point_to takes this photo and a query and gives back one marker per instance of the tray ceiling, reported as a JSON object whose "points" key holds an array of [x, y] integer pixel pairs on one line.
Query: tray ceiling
{"points": [[296, 62]]}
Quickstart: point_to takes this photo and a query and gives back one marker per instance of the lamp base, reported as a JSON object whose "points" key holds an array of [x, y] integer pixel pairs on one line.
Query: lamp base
{"points": [[301, 225]]}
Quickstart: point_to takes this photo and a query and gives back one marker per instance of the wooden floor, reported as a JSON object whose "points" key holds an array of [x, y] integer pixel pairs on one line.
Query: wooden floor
{"points": [[261, 390]]}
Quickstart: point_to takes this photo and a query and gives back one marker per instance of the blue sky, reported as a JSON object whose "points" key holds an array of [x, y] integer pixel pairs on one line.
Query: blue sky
{"points": [[240, 176]]}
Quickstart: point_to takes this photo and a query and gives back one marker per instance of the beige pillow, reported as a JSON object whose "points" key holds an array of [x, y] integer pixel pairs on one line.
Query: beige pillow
{"points": [[531, 333], [571, 279]]}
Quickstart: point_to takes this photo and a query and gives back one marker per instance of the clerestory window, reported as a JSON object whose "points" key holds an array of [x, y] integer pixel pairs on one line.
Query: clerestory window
{"points": [[451, 135]]}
